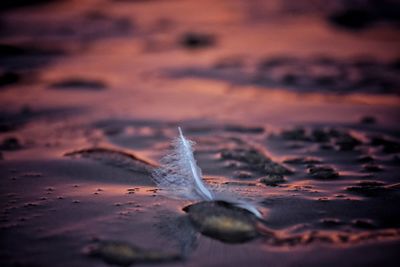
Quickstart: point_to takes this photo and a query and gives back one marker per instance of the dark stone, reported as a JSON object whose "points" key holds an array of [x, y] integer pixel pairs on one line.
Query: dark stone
{"points": [[223, 221], [347, 142], [243, 174], [254, 160], [124, 254], [323, 172], [79, 84], [366, 159], [7, 126], [320, 135], [8, 78], [353, 19], [272, 168], [298, 134], [272, 179], [10, 144], [388, 146], [363, 223], [371, 167], [327, 74], [194, 40], [12, 50], [334, 132], [326, 147], [290, 79], [368, 188]]}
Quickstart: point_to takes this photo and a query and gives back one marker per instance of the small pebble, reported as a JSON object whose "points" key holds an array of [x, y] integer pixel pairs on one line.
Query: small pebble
{"points": [[371, 167], [323, 172], [195, 40], [369, 188], [272, 179], [11, 144], [243, 174], [365, 159], [363, 223], [125, 254]]}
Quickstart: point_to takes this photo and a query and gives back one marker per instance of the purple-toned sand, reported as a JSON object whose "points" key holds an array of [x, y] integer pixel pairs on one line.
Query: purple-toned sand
{"points": [[293, 106]]}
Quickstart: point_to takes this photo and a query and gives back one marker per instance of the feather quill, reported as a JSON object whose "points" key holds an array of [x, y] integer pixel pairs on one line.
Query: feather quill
{"points": [[180, 177]]}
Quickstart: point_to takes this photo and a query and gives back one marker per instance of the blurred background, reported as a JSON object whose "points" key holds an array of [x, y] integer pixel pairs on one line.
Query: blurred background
{"points": [[179, 59]]}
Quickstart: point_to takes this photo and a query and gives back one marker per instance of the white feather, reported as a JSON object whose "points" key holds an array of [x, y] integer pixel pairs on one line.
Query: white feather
{"points": [[180, 177], [179, 174], [249, 207]]}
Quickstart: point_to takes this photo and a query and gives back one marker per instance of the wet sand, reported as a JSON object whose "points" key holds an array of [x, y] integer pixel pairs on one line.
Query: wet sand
{"points": [[292, 107]]}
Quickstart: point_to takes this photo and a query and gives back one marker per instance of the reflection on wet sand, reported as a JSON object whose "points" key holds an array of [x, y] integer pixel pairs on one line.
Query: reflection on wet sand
{"points": [[293, 106]]}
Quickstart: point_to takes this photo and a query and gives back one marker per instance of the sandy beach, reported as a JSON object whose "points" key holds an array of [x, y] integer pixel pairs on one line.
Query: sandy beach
{"points": [[293, 107]]}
